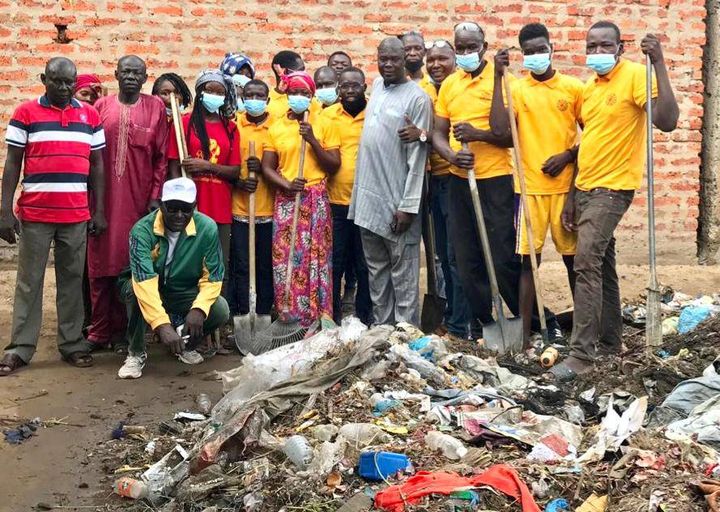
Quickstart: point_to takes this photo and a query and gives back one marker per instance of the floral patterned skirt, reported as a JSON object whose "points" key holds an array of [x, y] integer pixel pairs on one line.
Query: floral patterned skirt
{"points": [[311, 283]]}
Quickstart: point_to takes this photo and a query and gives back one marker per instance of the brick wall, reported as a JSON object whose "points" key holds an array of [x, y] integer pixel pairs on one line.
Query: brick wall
{"points": [[188, 35]]}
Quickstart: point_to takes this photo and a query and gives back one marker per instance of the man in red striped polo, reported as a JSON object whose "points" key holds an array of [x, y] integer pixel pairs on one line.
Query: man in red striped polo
{"points": [[58, 139]]}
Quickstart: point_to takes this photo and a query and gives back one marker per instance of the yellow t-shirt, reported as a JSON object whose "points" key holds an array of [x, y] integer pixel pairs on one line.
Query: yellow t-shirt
{"points": [[547, 116], [463, 98], [265, 194], [612, 149], [278, 106], [438, 165], [284, 139], [340, 185]]}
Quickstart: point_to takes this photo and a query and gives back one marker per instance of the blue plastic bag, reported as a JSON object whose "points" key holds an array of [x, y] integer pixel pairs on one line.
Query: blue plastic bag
{"points": [[691, 316], [557, 505]]}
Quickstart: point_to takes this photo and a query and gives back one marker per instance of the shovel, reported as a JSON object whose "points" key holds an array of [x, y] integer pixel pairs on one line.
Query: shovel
{"points": [[653, 319], [245, 326], [505, 333], [433, 309], [526, 210]]}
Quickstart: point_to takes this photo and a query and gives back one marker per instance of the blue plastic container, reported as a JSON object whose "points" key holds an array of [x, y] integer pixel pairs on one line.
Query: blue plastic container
{"points": [[378, 466]]}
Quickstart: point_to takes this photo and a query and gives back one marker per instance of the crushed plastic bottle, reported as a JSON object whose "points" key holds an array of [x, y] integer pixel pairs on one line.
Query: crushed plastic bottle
{"points": [[363, 434], [452, 448], [204, 404], [298, 450]]}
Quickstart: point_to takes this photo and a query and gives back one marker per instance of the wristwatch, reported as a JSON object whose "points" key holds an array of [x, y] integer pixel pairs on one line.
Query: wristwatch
{"points": [[423, 136]]}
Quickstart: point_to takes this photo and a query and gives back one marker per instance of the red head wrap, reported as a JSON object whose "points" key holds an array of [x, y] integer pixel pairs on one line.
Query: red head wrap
{"points": [[299, 79], [88, 81]]}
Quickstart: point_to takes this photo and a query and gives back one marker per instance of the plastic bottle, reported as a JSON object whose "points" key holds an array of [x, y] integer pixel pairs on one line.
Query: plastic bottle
{"points": [[549, 357], [298, 450], [450, 447], [363, 434], [204, 404], [130, 488]]}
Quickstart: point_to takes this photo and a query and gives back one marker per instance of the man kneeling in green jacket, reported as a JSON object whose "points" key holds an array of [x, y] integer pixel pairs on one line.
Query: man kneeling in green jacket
{"points": [[175, 277]]}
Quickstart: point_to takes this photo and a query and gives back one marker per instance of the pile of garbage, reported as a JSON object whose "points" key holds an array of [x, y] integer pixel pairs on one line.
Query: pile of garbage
{"points": [[355, 419]]}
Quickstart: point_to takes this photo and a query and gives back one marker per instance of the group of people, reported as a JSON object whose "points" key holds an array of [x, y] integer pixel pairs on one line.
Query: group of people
{"points": [[172, 252]]}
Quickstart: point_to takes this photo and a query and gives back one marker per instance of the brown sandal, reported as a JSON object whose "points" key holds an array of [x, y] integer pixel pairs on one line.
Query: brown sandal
{"points": [[80, 359], [10, 363]]}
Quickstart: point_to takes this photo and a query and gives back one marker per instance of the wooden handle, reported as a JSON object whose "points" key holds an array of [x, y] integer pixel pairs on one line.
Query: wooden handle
{"points": [[251, 239], [296, 215], [179, 135], [526, 210]]}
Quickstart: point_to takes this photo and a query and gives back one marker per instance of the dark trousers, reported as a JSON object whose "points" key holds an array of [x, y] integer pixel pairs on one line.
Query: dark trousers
{"points": [[457, 316], [498, 202], [240, 265], [348, 252], [597, 315]]}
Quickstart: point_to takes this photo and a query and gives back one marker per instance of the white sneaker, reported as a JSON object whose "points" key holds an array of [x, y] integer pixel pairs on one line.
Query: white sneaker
{"points": [[134, 364], [191, 357]]}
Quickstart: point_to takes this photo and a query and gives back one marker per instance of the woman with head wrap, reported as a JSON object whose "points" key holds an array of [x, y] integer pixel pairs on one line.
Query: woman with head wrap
{"points": [[311, 280], [168, 83], [213, 145], [241, 69], [88, 89]]}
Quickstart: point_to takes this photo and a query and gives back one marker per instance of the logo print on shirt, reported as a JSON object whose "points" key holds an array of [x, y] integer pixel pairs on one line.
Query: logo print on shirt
{"points": [[83, 118], [214, 148], [563, 105], [611, 99]]}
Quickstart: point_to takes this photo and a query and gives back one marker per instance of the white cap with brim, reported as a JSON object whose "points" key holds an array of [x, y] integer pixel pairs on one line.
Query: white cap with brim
{"points": [[179, 189]]}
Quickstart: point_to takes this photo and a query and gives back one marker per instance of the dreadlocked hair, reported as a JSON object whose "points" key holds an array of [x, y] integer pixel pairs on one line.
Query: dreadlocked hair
{"points": [[178, 83], [197, 124]]}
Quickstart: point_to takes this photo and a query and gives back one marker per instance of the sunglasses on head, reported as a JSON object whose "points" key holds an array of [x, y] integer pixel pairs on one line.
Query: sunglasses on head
{"points": [[440, 43]]}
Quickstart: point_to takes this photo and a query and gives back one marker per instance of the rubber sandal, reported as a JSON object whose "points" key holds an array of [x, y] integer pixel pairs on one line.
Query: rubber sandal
{"points": [[10, 363], [80, 359]]}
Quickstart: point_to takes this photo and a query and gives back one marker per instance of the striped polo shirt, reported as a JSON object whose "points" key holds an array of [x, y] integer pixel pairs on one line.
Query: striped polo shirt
{"points": [[57, 144]]}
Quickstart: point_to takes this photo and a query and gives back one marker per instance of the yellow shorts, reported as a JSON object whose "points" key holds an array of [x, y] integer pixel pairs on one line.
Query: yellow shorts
{"points": [[545, 212]]}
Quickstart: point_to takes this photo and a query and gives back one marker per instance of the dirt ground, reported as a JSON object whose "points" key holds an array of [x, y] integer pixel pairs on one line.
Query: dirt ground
{"points": [[58, 466]]}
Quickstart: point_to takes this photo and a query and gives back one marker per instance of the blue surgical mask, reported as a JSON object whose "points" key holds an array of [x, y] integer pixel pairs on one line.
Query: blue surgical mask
{"points": [[601, 63], [327, 95], [255, 107], [212, 102], [298, 104], [538, 63], [468, 62], [240, 105], [168, 111]]}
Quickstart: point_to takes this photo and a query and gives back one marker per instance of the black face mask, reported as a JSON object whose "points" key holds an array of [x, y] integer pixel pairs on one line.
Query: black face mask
{"points": [[413, 66], [355, 107]]}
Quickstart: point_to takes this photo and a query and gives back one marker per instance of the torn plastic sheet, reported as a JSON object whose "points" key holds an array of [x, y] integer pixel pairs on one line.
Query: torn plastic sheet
{"points": [[614, 429]]}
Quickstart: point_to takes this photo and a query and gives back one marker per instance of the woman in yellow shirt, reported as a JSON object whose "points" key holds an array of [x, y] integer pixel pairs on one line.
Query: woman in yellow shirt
{"points": [[311, 283]]}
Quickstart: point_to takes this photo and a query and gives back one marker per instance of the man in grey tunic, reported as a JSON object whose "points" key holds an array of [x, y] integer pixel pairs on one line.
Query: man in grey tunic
{"points": [[388, 188]]}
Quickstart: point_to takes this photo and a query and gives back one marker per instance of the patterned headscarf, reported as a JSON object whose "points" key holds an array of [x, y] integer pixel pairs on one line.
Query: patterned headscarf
{"points": [[298, 79], [234, 62], [215, 75]]}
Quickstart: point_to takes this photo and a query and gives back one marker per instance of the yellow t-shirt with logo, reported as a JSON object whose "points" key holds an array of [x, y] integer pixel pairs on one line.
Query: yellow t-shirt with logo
{"points": [[284, 139], [340, 185], [463, 98], [265, 194], [547, 116], [438, 165], [612, 149]]}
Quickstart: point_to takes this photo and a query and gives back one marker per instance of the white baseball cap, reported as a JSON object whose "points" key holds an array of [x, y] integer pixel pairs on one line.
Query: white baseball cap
{"points": [[179, 189]]}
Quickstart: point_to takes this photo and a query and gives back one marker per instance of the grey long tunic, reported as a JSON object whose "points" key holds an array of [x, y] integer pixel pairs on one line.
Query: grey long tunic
{"points": [[389, 173]]}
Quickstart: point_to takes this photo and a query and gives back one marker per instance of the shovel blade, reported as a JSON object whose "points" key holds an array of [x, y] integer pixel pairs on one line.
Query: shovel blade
{"points": [[504, 335], [244, 333], [433, 312], [653, 320]]}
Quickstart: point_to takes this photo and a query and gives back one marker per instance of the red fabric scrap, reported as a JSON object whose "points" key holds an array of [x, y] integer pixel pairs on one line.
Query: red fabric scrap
{"points": [[500, 477]]}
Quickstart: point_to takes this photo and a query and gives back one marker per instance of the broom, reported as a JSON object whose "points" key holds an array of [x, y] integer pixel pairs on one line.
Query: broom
{"points": [[285, 329]]}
